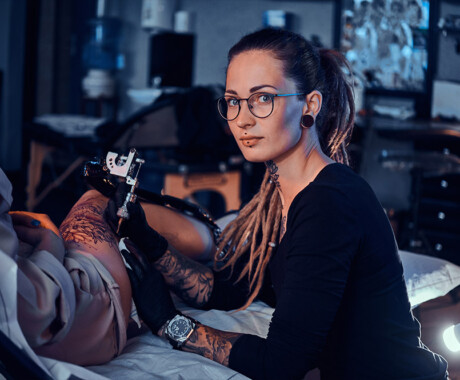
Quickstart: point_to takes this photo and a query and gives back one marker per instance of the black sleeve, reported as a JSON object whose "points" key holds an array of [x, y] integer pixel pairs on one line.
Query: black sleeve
{"points": [[227, 294], [322, 238]]}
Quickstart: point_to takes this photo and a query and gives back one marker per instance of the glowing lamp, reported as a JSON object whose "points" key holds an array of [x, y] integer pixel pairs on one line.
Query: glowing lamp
{"points": [[451, 337]]}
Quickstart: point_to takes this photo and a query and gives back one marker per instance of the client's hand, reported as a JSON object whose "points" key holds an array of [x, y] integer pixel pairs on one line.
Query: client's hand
{"points": [[36, 232], [136, 227], [150, 293]]}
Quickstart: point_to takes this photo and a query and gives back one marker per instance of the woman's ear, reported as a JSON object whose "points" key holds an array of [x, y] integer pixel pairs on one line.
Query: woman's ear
{"points": [[313, 103]]}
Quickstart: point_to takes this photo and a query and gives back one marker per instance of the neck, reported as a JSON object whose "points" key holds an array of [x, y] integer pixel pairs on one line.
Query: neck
{"points": [[293, 172]]}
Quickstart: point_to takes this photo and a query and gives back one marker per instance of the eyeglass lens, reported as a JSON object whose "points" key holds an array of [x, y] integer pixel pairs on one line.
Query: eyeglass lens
{"points": [[260, 105]]}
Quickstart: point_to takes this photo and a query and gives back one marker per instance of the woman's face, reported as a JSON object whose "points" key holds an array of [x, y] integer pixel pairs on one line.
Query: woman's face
{"points": [[270, 138]]}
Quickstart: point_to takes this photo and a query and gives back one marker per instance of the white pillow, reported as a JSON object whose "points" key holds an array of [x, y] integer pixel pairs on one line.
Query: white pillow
{"points": [[428, 277]]}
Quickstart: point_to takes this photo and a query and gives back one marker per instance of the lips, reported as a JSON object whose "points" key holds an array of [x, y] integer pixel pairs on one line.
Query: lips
{"points": [[250, 140]]}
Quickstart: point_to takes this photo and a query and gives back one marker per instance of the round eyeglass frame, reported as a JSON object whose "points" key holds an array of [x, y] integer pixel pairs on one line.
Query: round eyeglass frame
{"points": [[272, 97]]}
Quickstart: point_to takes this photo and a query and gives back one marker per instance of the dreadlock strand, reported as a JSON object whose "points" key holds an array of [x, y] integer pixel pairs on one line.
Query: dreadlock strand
{"points": [[264, 250]]}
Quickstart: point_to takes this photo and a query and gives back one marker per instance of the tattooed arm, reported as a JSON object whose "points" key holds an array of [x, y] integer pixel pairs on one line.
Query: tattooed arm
{"points": [[190, 280], [194, 283], [156, 308], [210, 343]]}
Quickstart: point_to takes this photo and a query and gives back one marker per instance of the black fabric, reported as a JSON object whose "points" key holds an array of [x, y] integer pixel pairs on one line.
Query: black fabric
{"points": [[228, 293], [341, 303], [15, 363]]}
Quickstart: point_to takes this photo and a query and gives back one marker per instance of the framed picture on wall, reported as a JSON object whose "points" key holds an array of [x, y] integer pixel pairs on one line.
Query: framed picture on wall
{"points": [[390, 44]]}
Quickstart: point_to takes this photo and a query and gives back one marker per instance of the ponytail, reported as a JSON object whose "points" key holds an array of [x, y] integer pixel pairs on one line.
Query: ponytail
{"points": [[336, 119]]}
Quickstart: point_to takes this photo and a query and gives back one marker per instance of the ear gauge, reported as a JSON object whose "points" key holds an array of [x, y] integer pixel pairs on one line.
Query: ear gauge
{"points": [[307, 121]]}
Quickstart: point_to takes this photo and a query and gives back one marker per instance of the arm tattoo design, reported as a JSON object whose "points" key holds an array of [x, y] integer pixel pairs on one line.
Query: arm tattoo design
{"points": [[85, 224], [272, 169], [191, 281], [210, 343]]}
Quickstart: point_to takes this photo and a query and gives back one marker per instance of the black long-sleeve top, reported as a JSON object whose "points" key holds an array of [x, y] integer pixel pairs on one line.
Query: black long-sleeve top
{"points": [[341, 300]]}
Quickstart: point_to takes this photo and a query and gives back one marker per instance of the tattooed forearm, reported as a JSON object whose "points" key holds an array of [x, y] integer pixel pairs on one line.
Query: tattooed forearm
{"points": [[210, 343], [191, 281], [85, 223]]}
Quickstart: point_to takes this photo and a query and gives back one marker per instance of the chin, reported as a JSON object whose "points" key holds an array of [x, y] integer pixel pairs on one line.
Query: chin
{"points": [[251, 155]]}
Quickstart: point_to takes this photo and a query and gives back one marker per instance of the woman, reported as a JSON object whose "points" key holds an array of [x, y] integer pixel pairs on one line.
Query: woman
{"points": [[315, 233]]}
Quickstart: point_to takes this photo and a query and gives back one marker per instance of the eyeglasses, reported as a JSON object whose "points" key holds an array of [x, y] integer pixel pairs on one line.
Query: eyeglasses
{"points": [[260, 104]]}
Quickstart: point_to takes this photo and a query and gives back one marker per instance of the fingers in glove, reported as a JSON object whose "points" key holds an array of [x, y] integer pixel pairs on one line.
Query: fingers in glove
{"points": [[137, 252], [141, 232], [137, 214], [132, 278], [110, 215], [138, 269], [115, 202], [120, 194], [118, 198]]}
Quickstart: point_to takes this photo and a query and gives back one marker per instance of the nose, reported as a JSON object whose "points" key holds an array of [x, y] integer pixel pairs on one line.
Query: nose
{"points": [[245, 118]]}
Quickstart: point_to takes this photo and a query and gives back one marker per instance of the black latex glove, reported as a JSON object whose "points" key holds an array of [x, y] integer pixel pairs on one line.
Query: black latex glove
{"points": [[150, 292], [136, 227]]}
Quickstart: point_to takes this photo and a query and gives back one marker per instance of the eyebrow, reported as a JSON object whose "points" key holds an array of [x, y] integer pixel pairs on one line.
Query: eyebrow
{"points": [[253, 89]]}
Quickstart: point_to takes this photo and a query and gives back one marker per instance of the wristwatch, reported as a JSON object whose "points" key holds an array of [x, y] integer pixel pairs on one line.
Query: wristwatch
{"points": [[179, 329]]}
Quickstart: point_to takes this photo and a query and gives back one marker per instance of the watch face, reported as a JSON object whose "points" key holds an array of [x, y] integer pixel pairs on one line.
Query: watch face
{"points": [[179, 328]]}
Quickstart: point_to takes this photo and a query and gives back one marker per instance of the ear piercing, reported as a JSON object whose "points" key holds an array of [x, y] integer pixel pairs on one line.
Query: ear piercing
{"points": [[307, 121]]}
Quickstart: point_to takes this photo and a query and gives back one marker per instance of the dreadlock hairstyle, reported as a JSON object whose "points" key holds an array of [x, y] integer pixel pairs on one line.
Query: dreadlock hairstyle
{"points": [[256, 227]]}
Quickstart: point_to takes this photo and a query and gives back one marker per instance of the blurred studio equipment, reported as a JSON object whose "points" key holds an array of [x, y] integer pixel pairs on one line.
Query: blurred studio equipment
{"points": [[276, 18], [171, 43], [449, 26], [101, 58]]}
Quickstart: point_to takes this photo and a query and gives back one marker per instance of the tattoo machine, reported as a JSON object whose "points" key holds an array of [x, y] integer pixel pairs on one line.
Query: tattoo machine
{"points": [[127, 167]]}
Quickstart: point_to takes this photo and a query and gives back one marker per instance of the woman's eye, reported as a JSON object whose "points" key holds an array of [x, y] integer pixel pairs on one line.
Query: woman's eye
{"points": [[263, 98], [232, 102]]}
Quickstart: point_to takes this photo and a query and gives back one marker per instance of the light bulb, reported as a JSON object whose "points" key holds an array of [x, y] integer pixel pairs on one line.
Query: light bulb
{"points": [[451, 337]]}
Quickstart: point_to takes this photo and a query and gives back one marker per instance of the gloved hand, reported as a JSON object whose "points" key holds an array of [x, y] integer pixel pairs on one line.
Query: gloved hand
{"points": [[136, 227], [150, 292]]}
